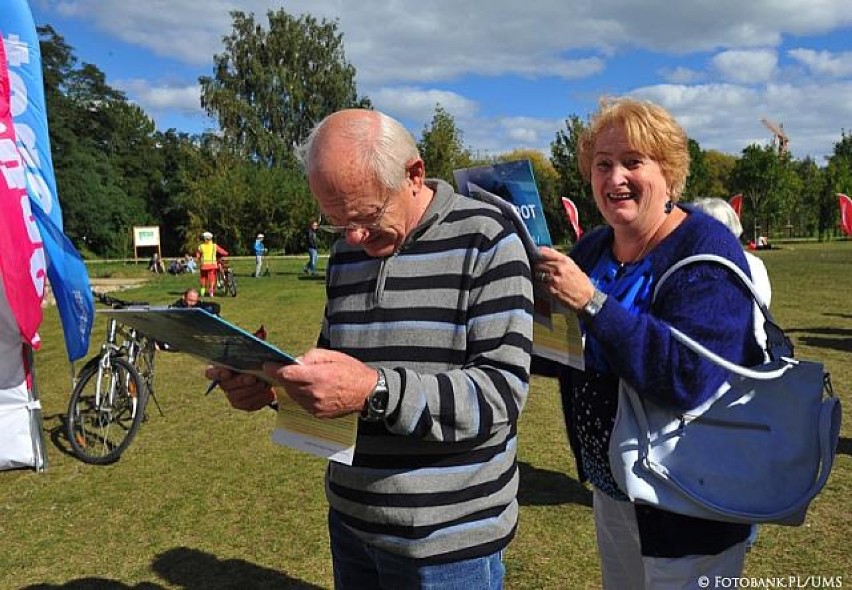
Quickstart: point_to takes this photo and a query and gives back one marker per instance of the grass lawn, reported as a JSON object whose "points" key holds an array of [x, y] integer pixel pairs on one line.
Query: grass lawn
{"points": [[203, 499]]}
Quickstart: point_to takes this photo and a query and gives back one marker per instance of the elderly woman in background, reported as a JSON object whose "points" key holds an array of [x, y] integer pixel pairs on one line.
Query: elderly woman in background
{"points": [[635, 156], [721, 210]]}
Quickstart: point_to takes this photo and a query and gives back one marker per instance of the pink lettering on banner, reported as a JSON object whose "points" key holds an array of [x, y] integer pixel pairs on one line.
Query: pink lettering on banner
{"points": [[22, 259]]}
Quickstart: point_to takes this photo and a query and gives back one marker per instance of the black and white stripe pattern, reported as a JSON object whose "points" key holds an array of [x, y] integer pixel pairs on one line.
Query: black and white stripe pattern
{"points": [[449, 318]]}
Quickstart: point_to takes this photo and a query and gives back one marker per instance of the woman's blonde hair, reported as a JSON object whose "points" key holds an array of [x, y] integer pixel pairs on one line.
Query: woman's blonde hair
{"points": [[650, 129]]}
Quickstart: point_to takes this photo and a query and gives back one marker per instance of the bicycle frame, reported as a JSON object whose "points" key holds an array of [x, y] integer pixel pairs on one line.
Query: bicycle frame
{"points": [[129, 349], [109, 398]]}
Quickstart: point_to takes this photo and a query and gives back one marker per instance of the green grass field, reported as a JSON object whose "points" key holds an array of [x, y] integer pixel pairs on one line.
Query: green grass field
{"points": [[203, 499]]}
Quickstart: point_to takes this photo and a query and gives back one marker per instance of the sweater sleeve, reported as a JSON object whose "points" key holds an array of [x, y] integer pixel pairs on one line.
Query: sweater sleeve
{"points": [[490, 387], [706, 302]]}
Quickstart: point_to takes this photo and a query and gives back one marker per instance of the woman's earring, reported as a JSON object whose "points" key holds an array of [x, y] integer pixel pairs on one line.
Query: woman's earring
{"points": [[669, 206]]}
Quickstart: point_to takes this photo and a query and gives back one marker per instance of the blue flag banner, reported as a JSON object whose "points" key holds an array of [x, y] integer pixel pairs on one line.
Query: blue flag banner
{"points": [[513, 181], [66, 271], [69, 279], [28, 106]]}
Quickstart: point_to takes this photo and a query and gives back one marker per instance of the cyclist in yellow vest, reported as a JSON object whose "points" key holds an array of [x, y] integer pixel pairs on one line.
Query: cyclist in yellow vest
{"points": [[207, 254]]}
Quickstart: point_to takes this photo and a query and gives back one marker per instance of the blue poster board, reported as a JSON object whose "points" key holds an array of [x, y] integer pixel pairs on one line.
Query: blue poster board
{"points": [[514, 182], [203, 335]]}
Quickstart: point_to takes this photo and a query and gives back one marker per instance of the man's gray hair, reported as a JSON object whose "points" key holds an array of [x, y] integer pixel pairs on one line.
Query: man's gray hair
{"points": [[384, 146], [720, 210]]}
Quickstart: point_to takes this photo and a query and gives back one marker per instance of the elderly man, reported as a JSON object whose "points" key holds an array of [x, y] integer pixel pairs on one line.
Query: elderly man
{"points": [[427, 334]]}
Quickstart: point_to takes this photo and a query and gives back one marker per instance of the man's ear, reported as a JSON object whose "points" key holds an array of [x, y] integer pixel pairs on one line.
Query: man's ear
{"points": [[416, 171]]}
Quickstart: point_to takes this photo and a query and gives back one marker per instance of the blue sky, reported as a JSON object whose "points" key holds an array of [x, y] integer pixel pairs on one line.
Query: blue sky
{"points": [[512, 72]]}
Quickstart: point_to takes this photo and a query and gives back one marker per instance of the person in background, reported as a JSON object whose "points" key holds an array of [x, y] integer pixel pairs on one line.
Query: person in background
{"points": [[156, 264], [259, 251], [175, 267], [435, 362], [636, 158], [313, 251], [191, 298], [722, 211], [189, 263], [208, 254]]}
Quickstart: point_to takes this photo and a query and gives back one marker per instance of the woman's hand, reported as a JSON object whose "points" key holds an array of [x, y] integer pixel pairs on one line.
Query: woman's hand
{"points": [[563, 279]]}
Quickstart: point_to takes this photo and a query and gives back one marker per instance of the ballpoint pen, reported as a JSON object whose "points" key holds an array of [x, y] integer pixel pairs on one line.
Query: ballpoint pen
{"points": [[259, 333], [213, 385]]}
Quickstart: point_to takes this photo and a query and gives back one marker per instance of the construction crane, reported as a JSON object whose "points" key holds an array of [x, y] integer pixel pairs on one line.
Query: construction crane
{"points": [[779, 135]]}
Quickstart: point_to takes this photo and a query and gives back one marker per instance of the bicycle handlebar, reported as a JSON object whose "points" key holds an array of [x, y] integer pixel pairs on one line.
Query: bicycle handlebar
{"points": [[115, 302]]}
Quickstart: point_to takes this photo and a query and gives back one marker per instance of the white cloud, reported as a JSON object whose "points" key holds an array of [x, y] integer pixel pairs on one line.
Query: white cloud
{"points": [[412, 40], [727, 117], [746, 67], [411, 102], [529, 132], [824, 63], [186, 99], [411, 54], [681, 75]]}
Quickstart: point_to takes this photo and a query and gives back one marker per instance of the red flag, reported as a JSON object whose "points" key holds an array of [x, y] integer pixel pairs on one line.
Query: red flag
{"points": [[22, 260], [737, 203], [573, 216], [845, 213]]}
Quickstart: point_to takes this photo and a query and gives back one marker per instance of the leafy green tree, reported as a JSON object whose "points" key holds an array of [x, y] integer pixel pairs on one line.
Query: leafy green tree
{"points": [[270, 86], [442, 147], [838, 179], [90, 130], [570, 183], [106, 153], [806, 213], [766, 181], [719, 169], [698, 182], [235, 199]]}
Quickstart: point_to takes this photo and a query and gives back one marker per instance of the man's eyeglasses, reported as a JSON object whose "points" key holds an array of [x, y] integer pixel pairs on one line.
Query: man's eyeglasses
{"points": [[371, 226]]}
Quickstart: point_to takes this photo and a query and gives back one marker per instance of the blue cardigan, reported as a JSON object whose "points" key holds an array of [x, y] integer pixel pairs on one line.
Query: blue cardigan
{"points": [[705, 301]]}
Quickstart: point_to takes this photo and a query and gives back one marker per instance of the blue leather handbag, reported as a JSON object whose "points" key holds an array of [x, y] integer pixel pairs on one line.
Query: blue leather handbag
{"points": [[759, 450]]}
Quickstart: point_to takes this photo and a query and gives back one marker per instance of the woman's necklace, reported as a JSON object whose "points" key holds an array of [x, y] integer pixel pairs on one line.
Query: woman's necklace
{"points": [[651, 241], [623, 263]]}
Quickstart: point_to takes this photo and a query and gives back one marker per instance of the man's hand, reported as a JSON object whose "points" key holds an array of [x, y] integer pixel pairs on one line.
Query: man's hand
{"points": [[326, 383], [244, 392]]}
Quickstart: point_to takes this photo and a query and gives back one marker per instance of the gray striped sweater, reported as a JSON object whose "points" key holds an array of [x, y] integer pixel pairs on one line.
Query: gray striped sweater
{"points": [[449, 318]]}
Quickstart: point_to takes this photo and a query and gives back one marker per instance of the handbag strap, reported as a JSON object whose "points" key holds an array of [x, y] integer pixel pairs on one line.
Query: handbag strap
{"points": [[778, 346]]}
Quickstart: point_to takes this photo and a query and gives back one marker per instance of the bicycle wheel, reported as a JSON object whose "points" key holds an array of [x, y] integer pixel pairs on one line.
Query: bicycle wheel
{"points": [[105, 411], [232, 284]]}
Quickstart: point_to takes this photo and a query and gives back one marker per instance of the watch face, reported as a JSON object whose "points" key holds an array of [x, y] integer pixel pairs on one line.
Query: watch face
{"points": [[595, 304]]}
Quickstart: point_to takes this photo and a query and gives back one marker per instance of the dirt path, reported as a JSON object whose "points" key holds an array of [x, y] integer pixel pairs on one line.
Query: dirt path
{"points": [[102, 285]]}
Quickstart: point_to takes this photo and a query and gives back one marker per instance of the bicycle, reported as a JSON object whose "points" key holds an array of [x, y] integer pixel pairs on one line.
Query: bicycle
{"points": [[111, 392], [226, 281]]}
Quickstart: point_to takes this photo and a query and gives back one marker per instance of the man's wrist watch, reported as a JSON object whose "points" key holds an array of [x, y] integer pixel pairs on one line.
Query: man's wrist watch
{"points": [[376, 404], [593, 307]]}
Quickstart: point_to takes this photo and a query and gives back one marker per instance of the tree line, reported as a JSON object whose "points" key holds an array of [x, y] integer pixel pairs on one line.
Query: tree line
{"points": [[268, 86]]}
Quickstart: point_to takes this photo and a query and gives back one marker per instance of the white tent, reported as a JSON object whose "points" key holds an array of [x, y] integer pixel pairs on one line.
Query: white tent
{"points": [[21, 438]]}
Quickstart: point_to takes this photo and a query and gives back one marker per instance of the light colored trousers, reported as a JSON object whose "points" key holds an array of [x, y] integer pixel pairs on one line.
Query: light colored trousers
{"points": [[624, 568]]}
